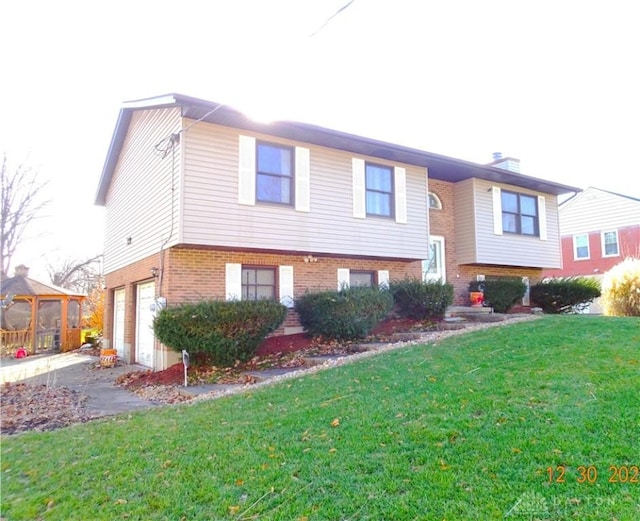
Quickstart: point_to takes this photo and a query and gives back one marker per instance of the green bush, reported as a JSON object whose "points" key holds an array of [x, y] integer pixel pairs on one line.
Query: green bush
{"points": [[565, 294], [347, 314], [418, 299], [621, 289], [225, 332], [501, 293]]}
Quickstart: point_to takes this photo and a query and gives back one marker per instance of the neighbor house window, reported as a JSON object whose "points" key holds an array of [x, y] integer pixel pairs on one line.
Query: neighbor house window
{"points": [[361, 278], [379, 189], [520, 213], [581, 246], [258, 283], [610, 244], [274, 173], [434, 202]]}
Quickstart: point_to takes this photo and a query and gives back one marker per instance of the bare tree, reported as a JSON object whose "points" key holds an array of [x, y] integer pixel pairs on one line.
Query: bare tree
{"points": [[82, 276], [20, 204]]}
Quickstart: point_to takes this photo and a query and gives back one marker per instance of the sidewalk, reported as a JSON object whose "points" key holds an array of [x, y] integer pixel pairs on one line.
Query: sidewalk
{"points": [[77, 371]]}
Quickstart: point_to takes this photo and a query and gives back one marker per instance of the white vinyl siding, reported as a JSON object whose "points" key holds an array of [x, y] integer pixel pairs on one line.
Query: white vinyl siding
{"points": [[213, 217], [233, 281], [144, 198], [596, 210], [476, 204], [285, 277]]}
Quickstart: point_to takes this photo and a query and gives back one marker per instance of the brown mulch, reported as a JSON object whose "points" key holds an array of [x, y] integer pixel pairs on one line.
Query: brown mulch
{"points": [[27, 407]]}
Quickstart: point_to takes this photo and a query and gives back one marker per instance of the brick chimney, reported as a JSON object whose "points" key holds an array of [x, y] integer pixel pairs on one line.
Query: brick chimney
{"points": [[21, 271]]}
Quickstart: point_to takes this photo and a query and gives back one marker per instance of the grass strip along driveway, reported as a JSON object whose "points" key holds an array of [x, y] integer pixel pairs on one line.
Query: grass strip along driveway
{"points": [[537, 420]]}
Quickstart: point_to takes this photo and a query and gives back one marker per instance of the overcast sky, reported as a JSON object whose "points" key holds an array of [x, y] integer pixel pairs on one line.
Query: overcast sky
{"points": [[553, 83]]}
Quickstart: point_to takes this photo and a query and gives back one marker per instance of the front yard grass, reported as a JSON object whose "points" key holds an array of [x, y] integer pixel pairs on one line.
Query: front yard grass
{"points": [[511, 422]]}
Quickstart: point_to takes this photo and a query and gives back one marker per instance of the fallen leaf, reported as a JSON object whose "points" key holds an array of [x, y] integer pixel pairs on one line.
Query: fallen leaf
{"points": [[234, 509], [335, 422]]}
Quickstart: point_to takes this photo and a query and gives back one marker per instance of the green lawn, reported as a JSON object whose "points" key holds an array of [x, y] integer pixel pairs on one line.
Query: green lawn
{"points": [[471, 428]]}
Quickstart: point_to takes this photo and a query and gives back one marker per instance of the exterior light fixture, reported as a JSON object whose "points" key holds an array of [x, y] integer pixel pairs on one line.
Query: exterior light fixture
{"points": [[154, 272]]}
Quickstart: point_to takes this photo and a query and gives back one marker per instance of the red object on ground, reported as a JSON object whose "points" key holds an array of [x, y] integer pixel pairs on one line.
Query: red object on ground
{"points": [[21, 352]]}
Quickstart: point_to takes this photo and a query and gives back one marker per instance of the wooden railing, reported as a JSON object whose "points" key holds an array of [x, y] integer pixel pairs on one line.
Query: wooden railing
{"points": [[12, 340]]}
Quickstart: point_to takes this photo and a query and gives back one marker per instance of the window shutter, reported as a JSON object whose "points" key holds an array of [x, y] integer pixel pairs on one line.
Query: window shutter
{"points": [[247, 170], [400, 181], [359, 204], [285, 277], [302, 179], [343, 278], [233, 281], [383, 278], [497, 210], [542, 218]]}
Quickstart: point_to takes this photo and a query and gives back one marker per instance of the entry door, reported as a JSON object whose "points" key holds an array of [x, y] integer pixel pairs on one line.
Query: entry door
{"points": [[434, 267], [144, 324], [118, 321]]}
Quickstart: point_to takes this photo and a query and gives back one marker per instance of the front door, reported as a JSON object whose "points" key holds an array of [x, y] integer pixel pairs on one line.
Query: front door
{"points": [[118, 321], [433, 268], [145, 339]]}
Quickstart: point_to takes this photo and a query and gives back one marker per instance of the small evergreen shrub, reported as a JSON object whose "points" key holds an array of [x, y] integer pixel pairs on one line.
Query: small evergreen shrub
{"points": [[621, 289], [418, 299], [224, 331], [347, 314], [565, 294], [501, 293]]}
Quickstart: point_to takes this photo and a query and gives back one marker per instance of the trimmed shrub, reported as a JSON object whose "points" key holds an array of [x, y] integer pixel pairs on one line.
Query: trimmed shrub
{"points": [[223, 331], [621, 289], [500, 293], [418, 299], [347, 314], [565, 294]]}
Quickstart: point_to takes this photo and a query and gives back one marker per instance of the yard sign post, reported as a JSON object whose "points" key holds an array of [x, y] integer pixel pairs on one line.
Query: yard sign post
{"points": [[185, 362]]}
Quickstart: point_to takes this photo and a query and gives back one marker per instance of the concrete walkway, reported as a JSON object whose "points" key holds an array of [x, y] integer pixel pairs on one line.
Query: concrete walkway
{"points": [[77, 371]]}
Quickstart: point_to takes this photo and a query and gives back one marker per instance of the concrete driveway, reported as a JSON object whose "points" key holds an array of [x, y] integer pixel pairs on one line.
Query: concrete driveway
{"points": [[79, 372]]}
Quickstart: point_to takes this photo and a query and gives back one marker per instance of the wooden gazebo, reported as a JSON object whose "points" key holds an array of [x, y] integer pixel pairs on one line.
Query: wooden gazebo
{"points": [[39, 317]]}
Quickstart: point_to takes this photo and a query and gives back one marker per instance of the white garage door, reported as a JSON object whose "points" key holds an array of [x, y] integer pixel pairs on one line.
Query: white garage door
{"points": [[144, 324], [118, 321]]}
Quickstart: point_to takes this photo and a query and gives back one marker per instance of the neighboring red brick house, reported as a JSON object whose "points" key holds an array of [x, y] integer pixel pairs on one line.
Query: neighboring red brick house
{"points": [[202, 202], [598, 230]]}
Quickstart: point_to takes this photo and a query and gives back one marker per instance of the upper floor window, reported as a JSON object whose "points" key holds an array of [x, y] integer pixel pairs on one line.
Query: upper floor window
{"points": [[274, 173], [610, 244], [581, 246], [361, 278], [434, 202], [379, 190], [520, 213], [258, 283]]}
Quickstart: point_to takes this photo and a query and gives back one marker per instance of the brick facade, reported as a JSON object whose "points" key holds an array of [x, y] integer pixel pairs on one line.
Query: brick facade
{"points": [[191, 274]]}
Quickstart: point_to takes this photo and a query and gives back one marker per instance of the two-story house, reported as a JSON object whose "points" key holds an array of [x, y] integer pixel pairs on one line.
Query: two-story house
{"points": [[598, 229], [202, 202]]}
